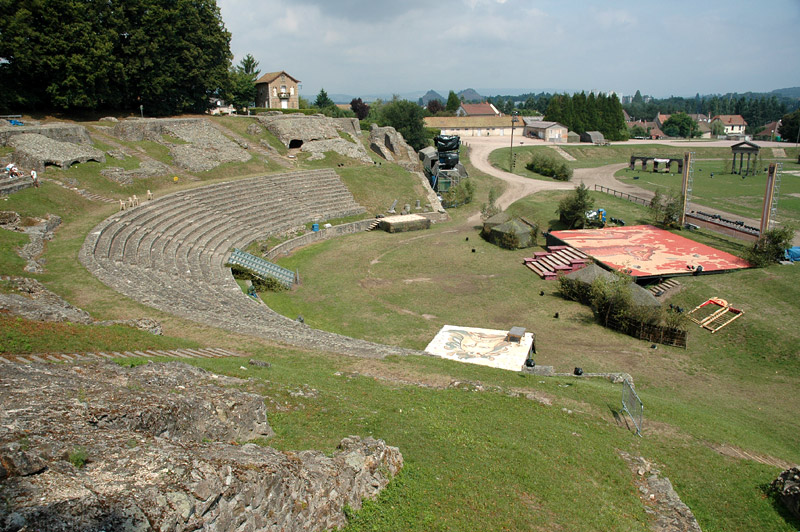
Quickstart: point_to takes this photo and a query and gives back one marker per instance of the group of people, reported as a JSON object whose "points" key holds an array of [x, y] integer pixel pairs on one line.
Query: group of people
{"points": [[13, 171]]}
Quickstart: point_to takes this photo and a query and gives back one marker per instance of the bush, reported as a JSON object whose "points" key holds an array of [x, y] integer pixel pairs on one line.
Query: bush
{"points": [[460, 194], [572, 209], [666, 208], [769, 249], [547, 166], [78, 457], [263, 285]]}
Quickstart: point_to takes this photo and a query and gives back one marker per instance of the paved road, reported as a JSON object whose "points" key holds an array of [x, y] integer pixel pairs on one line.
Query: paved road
{"points": [[520, 187]]}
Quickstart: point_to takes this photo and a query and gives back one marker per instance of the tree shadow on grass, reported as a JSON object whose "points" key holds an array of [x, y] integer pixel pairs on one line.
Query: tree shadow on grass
{"points": [[775, 499]]}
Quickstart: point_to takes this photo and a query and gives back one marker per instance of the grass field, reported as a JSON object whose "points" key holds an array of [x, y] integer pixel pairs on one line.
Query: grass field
{"points": [[489, 453]]}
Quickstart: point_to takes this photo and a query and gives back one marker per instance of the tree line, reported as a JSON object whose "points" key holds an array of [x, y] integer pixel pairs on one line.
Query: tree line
{"points": [[756, 108], [167, 56], [581, 113]]}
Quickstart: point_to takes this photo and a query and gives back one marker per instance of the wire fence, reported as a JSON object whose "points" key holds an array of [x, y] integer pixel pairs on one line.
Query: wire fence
{"points": [[632, 405]]}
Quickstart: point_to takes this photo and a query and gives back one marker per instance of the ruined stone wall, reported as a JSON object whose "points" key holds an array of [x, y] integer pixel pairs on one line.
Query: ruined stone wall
{"points": [[73, 133]]}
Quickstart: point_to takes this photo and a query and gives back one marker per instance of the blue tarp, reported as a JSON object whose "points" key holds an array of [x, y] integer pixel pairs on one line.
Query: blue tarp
{"points": [[793, 254], [15, 122]]}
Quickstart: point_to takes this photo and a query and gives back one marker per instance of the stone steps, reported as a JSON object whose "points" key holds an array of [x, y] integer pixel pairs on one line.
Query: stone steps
{"points": [[170, 253], [206, 352]]}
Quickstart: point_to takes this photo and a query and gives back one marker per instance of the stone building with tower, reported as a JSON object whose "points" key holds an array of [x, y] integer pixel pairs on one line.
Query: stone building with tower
{"points": [[277, 90]]}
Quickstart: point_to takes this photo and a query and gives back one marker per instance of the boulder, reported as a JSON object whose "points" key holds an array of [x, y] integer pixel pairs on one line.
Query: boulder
{"points": [[787, 488], [391, 146]]}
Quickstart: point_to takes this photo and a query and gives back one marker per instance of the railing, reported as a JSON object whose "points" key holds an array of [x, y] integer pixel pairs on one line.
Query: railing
{"points": [[623, 195], [632, 405]]}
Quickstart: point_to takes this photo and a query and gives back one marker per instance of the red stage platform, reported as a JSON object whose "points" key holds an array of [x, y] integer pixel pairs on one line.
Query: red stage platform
{"points": [[645, 251]]}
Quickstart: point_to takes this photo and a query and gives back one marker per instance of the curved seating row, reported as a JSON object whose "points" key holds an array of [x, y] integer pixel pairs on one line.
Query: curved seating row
{"points": [[170, 253]]}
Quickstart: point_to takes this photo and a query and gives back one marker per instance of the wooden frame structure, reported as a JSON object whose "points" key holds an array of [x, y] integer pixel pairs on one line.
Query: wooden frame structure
{"points": [[719, 318]]}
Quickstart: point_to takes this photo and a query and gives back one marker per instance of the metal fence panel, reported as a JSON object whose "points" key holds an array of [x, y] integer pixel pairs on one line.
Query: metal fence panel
{"points": [[632, 405]]}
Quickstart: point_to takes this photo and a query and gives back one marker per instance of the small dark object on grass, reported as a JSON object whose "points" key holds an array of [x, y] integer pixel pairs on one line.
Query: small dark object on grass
{"points": [[529, 363], [473, 250], [555, 315], [578, 371], [467, 240], [653, 346], [259, 363], [300, 319], [541, 292]]}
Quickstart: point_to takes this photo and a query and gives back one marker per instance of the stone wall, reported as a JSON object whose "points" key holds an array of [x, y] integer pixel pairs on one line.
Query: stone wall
{"points": [[285, 248], [137, 129]]}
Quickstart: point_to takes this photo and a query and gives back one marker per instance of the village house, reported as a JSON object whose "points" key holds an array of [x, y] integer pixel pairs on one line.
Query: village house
{"points": [[734, 124], [545, 130], [277, 90], [474, 126], [477, 109]]}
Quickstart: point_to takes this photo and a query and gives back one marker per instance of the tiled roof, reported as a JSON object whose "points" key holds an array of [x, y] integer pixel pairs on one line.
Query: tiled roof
{"points": [[479, 109], [469, 121], [730, 120], [269, 77]]}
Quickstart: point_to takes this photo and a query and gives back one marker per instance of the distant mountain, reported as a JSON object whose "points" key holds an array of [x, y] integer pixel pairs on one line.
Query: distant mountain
{"points": [[470, 95], [791, 92], [432, 95]]}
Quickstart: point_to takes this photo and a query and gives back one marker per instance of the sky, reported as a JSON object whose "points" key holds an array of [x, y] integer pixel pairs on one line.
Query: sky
{"points": [[666, 48]]}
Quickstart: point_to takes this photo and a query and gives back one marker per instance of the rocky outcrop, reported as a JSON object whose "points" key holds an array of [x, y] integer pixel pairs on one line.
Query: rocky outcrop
{"points": [[35, 151], [317, 148], [787, 488], [101, 447], [202, 147], [138, 129], [35, 302], [72, 133], [294, 130], [125, 177], [390, 145], [668, 512], [39, 232]]}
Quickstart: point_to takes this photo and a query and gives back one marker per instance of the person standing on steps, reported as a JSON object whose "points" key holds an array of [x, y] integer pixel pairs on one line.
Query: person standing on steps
{"points": [[35, 178]]}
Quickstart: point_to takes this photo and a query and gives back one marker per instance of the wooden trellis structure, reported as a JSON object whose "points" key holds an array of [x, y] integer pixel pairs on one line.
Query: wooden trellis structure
{"points": [[719, 317]]}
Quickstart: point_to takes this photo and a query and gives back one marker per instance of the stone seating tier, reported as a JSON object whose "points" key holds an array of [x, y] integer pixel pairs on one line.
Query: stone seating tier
{"points": [[170, 253]]}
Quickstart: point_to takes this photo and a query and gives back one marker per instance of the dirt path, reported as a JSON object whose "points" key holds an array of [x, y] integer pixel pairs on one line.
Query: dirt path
{"points": [[520, 187]]}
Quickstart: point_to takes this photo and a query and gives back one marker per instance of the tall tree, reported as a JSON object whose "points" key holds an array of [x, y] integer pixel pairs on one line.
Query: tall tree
{"points": [[453, 103], [322, 100], [361, 109], [169, 56], [435, 106], [242, 83], [790, 125], [407, 118]]}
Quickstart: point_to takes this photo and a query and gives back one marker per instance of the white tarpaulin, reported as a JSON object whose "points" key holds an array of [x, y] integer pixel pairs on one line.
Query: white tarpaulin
{"points": [[486, 347]]}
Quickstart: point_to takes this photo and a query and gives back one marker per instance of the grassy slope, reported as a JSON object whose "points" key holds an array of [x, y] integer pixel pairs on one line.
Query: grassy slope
{"points": [[488, 460]]}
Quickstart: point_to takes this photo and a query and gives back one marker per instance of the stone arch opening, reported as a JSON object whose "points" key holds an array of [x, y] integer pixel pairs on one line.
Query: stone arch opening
{"points": [[295, 143]]}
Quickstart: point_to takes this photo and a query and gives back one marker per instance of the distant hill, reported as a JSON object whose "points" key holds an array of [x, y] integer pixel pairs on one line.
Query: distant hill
{"points": [[791, 92], [470, 95], [432, 95]]}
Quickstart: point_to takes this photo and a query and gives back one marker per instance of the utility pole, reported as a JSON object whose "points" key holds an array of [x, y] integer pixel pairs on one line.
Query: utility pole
{"points": [[514, 119]]}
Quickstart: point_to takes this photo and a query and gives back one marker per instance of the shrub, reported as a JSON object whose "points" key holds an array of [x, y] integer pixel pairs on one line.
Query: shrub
{"points": [[547, 166], [78, 457], [665, 209], [270, 284], [769, 249], [572, 209], [460, 194]]}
